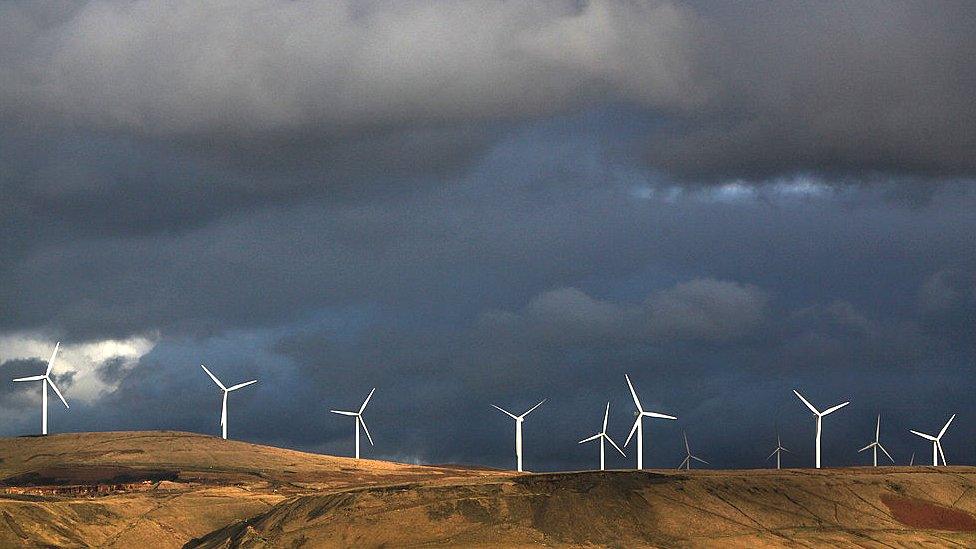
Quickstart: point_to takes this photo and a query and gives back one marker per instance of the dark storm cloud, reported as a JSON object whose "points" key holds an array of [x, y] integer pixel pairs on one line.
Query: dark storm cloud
{"points": [[752, 91], [470, 203]]}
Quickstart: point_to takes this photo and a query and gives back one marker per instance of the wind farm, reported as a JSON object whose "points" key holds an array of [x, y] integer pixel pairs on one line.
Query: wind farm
{"points": [[456, 225]]}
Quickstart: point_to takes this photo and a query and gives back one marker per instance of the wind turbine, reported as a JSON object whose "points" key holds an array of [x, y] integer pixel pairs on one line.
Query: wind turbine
{"points": [[226, 390], [686, 464], [46, 380], [639, 424], [359, 420], [779, 449], [602, 435], [518, 429], [820, 415], [937, 442], [877, 444]]}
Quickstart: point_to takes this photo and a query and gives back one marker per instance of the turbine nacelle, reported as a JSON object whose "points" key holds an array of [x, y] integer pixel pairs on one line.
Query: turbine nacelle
{"points": [[359, 420], [519, 419], [226, 390], [686, 463], [936, 442], [637, 427], [602, 436], [46, 380]]}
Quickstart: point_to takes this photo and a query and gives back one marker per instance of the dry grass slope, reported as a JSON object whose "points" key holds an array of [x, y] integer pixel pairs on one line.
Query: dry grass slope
{"points": [[167, 489]]}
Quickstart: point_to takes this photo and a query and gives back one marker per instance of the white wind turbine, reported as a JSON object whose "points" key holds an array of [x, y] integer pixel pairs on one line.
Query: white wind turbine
{"points": [[820, 415], [779, 450], [686, 464], [46, 380], [226, 390], [359, 420], [602, 435], [937, 442], [518, 430], [877, 444], [639, 424]]}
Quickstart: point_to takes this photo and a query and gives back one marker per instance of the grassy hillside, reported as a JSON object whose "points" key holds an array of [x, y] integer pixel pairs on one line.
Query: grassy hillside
{"points": [[833, 507], [167, 489], [131, 489]]}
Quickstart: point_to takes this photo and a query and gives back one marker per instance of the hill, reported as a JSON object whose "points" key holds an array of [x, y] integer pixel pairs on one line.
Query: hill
{"points": [[167, 489], [130, 489], [860, 507]]}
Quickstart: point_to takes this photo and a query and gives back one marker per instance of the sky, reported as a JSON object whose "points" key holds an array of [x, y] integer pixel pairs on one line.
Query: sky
{"points": [[468, 203]]}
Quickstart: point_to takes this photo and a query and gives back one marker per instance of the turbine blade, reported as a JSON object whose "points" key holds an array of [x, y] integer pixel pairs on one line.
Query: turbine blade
{"points": [[783, 448], [877, 429], [805, 401], [946, 427], [773, 454], [657, 415], [534, 407], [57, 392], [594, 437], [343, 412], [239, 385], [363, 423], [31, 378], [50, 363], [886, 452], [510, 414], [634, 394], [687, 448], [365, 402], [923, 435], [835, 408], [614, 444], [213, 377], [606, 415], [632, 431], [939, 446], [683, 462], [865, 448], [700, 459]]}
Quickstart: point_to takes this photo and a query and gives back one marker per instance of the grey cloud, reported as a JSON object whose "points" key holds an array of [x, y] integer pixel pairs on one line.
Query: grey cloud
{"points": [[113, 370], [728, 91], [707, 309], [339, 67], [704, 310]]}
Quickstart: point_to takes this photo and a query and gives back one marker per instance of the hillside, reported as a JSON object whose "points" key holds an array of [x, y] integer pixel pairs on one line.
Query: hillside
{"points": [[167, 489], [128, 489], [833, 507]]}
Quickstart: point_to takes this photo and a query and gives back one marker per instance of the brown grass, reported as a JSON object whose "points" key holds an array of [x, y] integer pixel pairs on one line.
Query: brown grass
{"points": [[919, 513]]}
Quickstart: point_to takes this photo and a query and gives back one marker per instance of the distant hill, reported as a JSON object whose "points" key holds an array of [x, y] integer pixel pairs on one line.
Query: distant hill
{"points": [[167, 489]]}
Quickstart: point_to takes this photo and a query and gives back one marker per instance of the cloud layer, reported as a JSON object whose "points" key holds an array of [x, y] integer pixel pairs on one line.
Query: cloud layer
{"points": [[468, 203]]}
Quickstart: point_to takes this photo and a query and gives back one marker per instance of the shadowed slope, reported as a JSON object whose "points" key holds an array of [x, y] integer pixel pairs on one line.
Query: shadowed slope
{"points": [[830, 507]]}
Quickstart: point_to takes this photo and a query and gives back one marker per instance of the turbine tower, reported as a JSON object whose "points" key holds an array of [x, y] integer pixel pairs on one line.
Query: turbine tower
{"points": [[46, 380], [686, 464], [359, 420], [877, 444], [518, 430], [639, 424], [937, 442], [820, 415], [779, 450], [226, 390], [602, 435]]}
